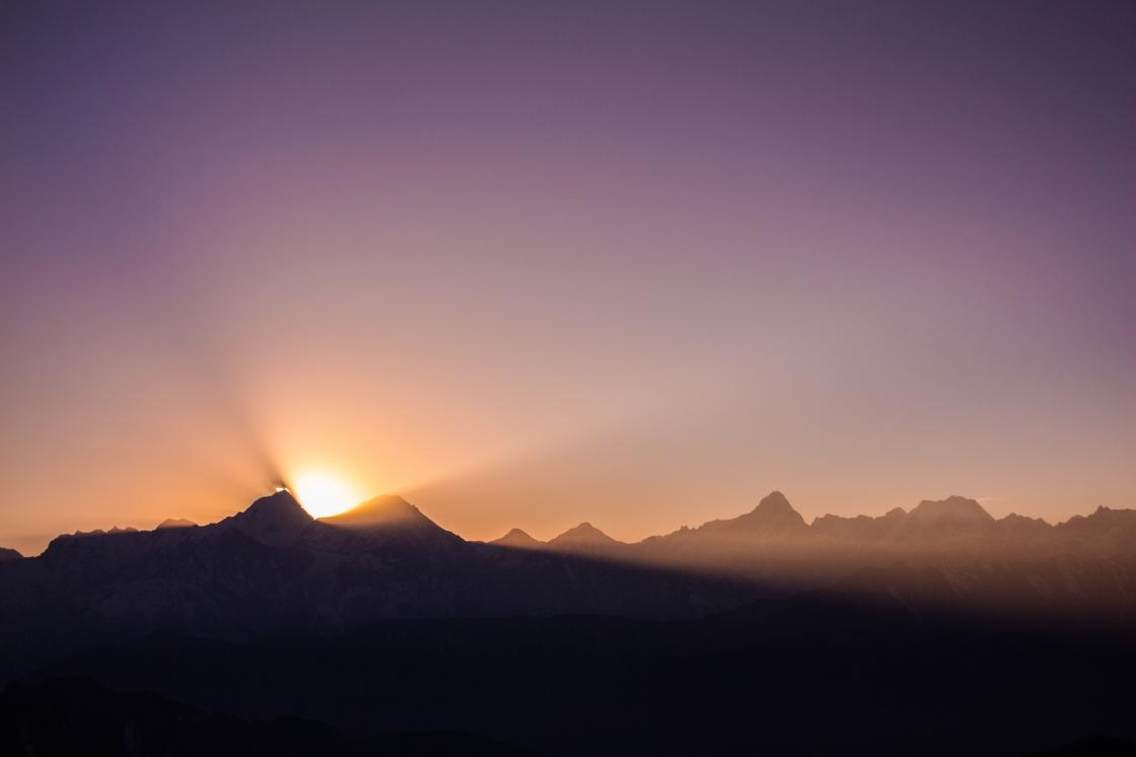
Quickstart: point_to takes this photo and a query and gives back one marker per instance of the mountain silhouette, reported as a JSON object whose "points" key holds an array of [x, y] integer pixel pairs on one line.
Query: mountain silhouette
{"points": [[519, 539], [276, 520], [390, 518], [583, 538], [9, 554], [735, 545], [953, 508], [272, 566], [175, 523], [262, 610], [387, 510], [773, 516]]}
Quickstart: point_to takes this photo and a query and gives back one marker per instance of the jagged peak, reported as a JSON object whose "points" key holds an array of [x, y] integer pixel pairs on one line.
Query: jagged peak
{"points": [[275, 519], [280, 501], [774, 502], [773, 511]]}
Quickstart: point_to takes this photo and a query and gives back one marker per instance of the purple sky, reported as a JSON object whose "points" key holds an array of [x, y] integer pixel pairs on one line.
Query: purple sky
{"points": [[538, 263]]}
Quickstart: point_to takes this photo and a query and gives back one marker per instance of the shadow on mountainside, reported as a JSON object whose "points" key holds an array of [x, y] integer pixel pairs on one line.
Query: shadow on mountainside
{"points": [[383, 622]]}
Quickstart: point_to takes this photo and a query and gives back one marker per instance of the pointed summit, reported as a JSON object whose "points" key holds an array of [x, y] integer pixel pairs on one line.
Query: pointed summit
{"points": [[585, 533], [774, 504], [386, 510], [584, 539], [773, 513], [773, 516], [518, 539], [391, 518], [277, 519]]}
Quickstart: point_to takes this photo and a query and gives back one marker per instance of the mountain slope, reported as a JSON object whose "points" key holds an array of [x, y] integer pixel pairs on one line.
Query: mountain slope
{"points": [[391, 518], [277, 520]]}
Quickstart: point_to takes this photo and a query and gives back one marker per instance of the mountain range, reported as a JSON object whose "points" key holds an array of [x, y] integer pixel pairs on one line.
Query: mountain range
{"points": [[774, 539], [952, 522], [730, 636], [272, 566]]}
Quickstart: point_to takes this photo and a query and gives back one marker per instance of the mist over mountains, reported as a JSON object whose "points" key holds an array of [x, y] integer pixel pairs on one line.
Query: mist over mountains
{"points": [[272, 567], [253, 613], [952, 523]]}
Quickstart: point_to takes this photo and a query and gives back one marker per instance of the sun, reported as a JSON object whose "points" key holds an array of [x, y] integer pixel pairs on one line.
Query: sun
{"points": [[323, 495]]}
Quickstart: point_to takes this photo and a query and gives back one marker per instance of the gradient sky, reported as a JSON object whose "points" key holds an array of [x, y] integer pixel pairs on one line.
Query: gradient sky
{"points": [[537, 263]]}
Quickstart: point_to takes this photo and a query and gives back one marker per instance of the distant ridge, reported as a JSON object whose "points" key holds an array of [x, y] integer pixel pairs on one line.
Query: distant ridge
{"points": [[583, 537], [271, 567], [175, 523], [772, 514], [279, 519], [773, 517], [953, 508], [9, 554], [519, 539]]}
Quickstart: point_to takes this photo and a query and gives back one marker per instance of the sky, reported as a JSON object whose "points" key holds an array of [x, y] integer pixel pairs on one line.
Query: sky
{"points": [[532, 264]]}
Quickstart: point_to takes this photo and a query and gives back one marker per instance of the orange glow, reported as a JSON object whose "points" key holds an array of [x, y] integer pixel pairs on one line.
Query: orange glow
{"points": [[323, 494]]}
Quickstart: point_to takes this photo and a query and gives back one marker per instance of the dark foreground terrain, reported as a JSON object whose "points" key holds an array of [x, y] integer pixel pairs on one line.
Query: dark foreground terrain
{"points": [[804, 676], [939, 632], [78, 716]]}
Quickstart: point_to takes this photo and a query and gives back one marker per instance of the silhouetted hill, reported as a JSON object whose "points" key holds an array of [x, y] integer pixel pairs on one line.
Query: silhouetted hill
{"points": [[519, 539], [584, 539], [9, 554], [175, 523]]}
